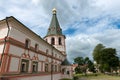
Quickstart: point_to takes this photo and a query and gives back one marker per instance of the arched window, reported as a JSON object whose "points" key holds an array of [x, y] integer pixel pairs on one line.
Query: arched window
{"points": [[53, 41], [60, 41], [36, 47], [27, 43]]}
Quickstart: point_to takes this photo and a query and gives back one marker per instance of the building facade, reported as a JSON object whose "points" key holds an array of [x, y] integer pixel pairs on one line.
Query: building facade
{"points": [[25, 55]]}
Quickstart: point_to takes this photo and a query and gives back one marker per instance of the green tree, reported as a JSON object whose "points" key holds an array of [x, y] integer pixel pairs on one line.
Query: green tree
{"points": [[91, 66], [78, 70], [83, 65], [97, 51], [80, 62], [108, 59]]}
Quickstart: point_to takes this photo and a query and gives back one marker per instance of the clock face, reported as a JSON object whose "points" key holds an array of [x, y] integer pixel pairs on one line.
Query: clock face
{"points": [[58, 29], [53, 28]]}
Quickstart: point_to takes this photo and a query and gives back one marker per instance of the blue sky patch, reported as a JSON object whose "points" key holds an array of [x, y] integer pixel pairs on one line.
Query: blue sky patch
{"points": [[69, 31]]}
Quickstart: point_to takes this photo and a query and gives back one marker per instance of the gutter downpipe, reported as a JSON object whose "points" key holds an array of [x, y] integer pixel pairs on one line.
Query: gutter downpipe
{"points": [[5, 40]]}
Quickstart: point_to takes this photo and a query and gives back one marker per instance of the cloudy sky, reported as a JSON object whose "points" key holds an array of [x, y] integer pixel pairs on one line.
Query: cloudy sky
{"points": [[84, 22]]}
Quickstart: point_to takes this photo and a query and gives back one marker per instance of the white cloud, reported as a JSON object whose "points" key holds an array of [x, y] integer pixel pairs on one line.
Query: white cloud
{"points": [[83, 44], [36, 2], [92, 19]]}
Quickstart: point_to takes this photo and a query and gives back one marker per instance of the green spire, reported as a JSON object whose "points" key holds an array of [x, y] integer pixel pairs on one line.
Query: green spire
{"points": [[54, 28]]}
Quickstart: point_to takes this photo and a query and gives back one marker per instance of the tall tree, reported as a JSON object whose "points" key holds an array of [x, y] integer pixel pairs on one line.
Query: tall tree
{"points": [[108, 59], [97, 51]]}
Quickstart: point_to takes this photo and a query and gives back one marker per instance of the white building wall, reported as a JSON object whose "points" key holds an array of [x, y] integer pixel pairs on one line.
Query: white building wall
{"points": [[1, 48], [39, 66], [3, 30], [29, 68], [20, 36], [41, 57], [43, 46], [16, 50], [14, 64], [23, 36], [31, 53]]}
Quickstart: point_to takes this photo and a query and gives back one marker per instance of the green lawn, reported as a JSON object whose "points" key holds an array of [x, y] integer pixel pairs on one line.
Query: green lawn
{"points": [[100, 77]]}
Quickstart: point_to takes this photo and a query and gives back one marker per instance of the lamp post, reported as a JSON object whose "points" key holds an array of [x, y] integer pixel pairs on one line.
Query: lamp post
{"points": [[52, 63]]}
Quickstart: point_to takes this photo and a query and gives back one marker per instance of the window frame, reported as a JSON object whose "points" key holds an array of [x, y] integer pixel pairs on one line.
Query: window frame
{"points": [[46, 67], [36, 47], [60, 41], [53, 41], [55, 68], [25, 69], [27, 43], [35, 70]]}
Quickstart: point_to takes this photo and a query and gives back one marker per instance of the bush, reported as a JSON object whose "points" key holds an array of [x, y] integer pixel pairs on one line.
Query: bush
{"points": [[81, 75], [65, 79], [75, 78]]}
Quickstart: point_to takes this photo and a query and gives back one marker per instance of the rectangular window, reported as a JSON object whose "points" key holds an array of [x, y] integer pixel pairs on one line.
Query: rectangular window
{"points": [[59, 68], [27, 43], [60, 41], [46, 67], [34, 66], [36, 47], [24, 65], [55, 68]]}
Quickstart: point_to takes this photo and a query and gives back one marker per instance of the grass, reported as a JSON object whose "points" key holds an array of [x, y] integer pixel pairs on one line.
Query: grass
{"points": [[65, 79], [99, 77]]}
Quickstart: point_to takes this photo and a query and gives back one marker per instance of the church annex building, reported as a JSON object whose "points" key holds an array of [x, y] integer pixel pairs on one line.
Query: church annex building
{"points": [[24, 55]]}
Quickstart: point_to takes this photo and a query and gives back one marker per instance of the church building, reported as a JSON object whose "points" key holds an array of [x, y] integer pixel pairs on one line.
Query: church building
{"points": [[25, 55]]}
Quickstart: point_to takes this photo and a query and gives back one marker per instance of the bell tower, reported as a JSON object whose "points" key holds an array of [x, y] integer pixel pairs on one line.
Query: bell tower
{"points": [[54, 34]]}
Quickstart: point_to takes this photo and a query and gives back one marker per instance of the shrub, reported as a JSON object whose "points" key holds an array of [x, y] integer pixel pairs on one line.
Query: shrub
{"points": [[65, 79]]}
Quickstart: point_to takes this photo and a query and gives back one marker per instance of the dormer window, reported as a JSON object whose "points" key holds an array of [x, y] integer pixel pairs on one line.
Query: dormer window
{"points": [[27, 43]]}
